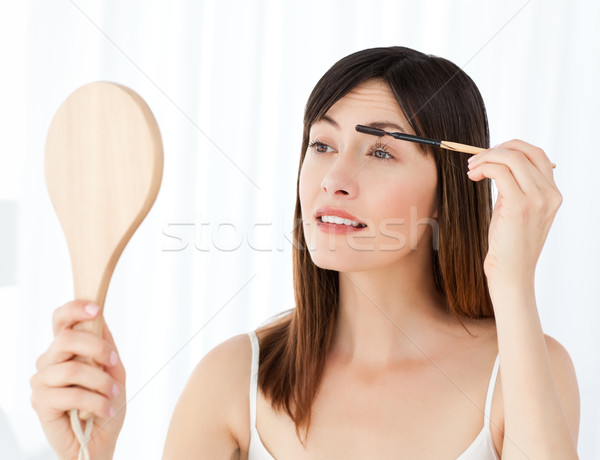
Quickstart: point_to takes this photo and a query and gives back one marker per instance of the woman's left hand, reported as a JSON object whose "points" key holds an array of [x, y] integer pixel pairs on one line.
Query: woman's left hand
{"points": [[527, 202]]}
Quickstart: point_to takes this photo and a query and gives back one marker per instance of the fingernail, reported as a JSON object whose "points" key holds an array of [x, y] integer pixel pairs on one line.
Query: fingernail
{"points": [[115, 390], [495, 146], [114, 359], [111, 412], [92, 309]]}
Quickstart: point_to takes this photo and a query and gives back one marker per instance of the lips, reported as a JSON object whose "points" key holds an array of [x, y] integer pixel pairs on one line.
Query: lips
{"points": [[327, 211]]}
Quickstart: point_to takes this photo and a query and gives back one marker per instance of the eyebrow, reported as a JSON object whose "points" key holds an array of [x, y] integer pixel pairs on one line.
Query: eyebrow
{"points": [[374, 124]]}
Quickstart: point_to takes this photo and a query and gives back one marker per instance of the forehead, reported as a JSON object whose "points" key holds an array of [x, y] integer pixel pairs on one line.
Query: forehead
{"points": [[371, 99]]}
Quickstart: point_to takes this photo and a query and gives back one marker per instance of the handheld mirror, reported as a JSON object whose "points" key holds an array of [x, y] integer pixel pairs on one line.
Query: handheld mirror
{"points": [[103, 167]]}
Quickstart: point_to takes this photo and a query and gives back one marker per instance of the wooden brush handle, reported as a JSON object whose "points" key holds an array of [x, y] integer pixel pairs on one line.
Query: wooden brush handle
{"points": [[464, 148], [457, 147]]}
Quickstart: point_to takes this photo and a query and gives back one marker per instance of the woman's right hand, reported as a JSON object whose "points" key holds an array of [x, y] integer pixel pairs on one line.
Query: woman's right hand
{"points": [[62, 383]]}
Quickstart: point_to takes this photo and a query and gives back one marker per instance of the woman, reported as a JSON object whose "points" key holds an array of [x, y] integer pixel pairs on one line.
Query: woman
{"points": [[415, 333]]}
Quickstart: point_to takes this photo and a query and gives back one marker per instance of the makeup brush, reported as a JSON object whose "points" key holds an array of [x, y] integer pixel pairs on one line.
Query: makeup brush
{"points": [[455, 146]]}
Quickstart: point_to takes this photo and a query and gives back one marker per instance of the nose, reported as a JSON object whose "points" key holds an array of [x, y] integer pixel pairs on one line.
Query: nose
{"points": [[341, 179]]}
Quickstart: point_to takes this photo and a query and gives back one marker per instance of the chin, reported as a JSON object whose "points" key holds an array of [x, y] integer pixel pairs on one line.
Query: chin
{"points": [[347, 263]]}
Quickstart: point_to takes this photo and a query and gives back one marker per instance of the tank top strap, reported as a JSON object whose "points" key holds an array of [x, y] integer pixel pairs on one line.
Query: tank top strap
{"points": [[490, 392], [253, 377]]}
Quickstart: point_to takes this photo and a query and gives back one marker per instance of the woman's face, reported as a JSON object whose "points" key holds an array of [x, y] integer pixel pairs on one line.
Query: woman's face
{"points": [[385, 183]]}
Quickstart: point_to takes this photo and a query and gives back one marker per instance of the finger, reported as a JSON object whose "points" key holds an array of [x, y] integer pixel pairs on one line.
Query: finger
{"points": [[69, 343], [70, 313], [117, 371], [76, 373], [536, 155], [527, 176], [52, 403], [502, 175]]}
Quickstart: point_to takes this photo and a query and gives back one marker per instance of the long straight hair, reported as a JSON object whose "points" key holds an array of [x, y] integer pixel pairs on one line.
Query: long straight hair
{"points": [[439, 100]]}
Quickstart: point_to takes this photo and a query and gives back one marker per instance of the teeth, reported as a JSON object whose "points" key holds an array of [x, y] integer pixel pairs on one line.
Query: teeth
{"points": [[339, 220]]}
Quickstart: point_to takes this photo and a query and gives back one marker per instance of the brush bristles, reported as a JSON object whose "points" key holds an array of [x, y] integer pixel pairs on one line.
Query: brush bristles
{"points": [[372, 131]]}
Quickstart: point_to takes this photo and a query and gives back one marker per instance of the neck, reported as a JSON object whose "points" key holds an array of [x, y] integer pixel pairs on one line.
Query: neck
{"points": [[387, 314]]}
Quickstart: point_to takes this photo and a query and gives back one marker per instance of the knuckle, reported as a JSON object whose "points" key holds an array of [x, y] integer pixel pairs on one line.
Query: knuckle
{"points": [[38, 362], [38, 400], [33, 381], [56, 316], [480, 168], [63, 314], [549, 203], [513, 155], [71, 370], [544, 207], [61, 340], [513, 143], [66, 339], [107, 385], [33, 400], [545, 203], [558, 199], [102, 406], [102, 351], [539, 202], [63, 336]]}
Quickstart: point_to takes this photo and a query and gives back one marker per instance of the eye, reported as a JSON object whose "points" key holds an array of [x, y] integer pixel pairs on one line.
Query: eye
{"points": [[379, 152], [320, 147]]}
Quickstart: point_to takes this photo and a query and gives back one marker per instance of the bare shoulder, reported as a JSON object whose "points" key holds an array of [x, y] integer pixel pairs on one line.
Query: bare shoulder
{"points": [[566, 382], [211, 418]]}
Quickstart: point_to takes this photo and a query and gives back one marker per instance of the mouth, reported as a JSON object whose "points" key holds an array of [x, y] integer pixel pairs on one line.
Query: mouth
{"points": [[340, 221], [337, 220], [329, 224]]}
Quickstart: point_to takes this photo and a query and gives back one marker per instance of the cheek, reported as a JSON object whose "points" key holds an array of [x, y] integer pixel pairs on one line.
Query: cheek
{"points": [[399, 199], [307, 187]]}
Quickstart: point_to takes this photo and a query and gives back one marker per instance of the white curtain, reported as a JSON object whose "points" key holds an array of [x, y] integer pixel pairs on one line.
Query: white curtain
{"points": [[227, 81]]}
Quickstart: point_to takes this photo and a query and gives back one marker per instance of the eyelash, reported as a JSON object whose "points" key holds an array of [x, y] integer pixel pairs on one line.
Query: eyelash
{"points": [[377, 147]]}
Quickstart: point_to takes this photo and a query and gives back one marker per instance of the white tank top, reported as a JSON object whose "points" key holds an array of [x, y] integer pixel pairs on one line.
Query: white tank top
{"points": [[482, 448]]}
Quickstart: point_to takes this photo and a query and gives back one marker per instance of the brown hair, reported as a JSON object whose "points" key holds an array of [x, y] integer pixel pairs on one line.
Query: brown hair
{"points": [[440, 101]]}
